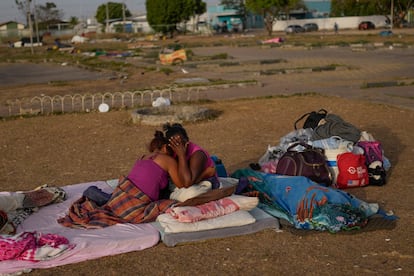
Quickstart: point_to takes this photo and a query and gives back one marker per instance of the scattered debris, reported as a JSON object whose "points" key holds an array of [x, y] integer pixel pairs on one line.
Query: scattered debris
{"points": [[103, 107], [276, 40]]}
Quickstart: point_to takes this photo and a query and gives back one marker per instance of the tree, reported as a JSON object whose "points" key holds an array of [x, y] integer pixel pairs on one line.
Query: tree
{"points": [[164, 15], [401, 9], [73, 21], [115, 10], [44, 14], [270, 9], [354, 7], [24, 6], [199, 9], [48, 12], [294, 5]]}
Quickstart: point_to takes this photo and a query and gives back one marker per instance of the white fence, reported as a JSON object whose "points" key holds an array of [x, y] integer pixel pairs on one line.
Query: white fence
{"points": [[40, 105]]}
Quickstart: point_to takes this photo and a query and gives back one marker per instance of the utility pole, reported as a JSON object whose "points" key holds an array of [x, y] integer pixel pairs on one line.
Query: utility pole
{"points": [[36, 22], [29, 20], [107, 18], [392, 13], [123, 15]]}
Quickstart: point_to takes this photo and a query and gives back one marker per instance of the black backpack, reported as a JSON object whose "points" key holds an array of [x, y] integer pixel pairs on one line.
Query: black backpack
{"points": [[312, 119]]}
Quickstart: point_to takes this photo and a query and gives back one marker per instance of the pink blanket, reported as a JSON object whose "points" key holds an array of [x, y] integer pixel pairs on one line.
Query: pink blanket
{"points": [[204, 211], [89, 244], [32, 246]]}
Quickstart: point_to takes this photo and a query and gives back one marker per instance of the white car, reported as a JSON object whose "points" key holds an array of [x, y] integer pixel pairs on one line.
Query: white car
{"points": [[291, 29]]}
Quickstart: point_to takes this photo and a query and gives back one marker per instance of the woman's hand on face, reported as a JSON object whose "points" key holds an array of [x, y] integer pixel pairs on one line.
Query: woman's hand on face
{"points": [[177, 145]]}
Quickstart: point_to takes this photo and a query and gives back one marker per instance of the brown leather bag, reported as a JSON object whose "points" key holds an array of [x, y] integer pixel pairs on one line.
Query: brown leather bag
{"points": [[311, 162]]}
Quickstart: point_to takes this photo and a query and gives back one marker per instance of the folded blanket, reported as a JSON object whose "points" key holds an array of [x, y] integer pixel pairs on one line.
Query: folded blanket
{"points": [[235, 219], [213, 209], [207, 210]]}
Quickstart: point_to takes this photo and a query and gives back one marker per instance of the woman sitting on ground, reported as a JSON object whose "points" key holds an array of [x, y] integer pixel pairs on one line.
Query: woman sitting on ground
{"points": [[136, 199], [202, 171]]}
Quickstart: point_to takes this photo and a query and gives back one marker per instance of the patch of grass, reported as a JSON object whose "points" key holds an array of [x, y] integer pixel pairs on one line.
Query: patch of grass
{"points": [[166, 70], [273, 61], [399, 96], [193, 45], [98, 63], [296, 95], [283, 96], [223, 64], [219, 81], [298, 43], [189, 53], [318, 44], [219, 56], [272, 72], [150, 69], [213, 82], [151, 54], [341, 43], [205, 101], [324, 68], [362, 41], [379, 84], [59, 83]]}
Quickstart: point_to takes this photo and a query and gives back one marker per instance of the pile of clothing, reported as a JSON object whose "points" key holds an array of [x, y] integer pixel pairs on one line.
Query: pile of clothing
{"points": [[354, 158], [351, 158]]}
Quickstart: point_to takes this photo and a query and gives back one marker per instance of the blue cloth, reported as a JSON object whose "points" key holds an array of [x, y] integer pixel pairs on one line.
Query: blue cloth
{"points": [[308, 205], [97, 195]]}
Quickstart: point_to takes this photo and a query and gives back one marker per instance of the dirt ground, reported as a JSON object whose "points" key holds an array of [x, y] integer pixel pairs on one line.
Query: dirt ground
{"points": [[76, 148]]}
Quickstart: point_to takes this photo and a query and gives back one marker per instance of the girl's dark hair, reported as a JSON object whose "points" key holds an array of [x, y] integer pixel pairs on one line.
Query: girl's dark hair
{"points": [[158, 141], [175, 129]]}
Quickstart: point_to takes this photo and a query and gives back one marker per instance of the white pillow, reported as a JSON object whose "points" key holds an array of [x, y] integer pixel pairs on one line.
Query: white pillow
{"points": [[245, 202], [182, 194], [238, 218]]}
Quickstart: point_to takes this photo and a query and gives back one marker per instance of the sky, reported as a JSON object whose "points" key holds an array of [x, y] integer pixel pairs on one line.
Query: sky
{"points": [[82, 9]]}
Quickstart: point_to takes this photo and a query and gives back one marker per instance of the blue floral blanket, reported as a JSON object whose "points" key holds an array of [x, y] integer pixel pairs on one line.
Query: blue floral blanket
{"points": [[306, 204]]}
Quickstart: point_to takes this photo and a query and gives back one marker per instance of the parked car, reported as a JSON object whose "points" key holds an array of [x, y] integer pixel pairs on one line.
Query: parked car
{"points": [[366, 25], [310, 27], [172, 55], [236, 25], [294, 29]]}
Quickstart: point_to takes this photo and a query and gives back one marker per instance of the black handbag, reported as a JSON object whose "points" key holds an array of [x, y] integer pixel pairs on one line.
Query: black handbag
{"points": [[311, 163], [312, 119]]}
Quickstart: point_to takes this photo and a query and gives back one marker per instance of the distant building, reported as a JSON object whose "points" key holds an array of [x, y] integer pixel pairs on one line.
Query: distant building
{"points": [[11, 28], [221, 18], [219, 15], [137, 24], [11, 25], [141, 24]]}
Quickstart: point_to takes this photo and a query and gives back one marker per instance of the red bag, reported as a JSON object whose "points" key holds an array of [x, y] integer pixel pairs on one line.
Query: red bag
{"points": [[352, 171]]}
